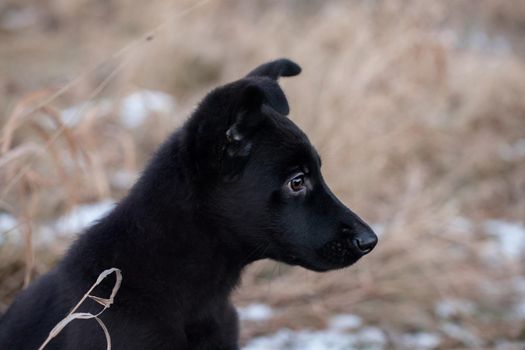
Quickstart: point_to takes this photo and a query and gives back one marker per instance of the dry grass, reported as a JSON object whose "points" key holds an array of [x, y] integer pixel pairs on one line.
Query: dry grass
{"points": [[105, 302], [409, 109]]}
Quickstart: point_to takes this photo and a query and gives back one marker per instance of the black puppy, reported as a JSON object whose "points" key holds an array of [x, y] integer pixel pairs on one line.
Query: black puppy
{"points": [[237, 183]]}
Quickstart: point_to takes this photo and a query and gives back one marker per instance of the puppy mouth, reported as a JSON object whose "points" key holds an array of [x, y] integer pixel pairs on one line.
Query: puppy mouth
{"points": [[333, 255], [339, 253]]}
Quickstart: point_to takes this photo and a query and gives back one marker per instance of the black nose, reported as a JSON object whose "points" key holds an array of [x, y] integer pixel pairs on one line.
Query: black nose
{"points": [[366, 243], [361, 238]]}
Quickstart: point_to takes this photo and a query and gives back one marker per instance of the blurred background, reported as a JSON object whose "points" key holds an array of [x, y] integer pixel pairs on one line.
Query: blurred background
{"points": [[417, 108]]}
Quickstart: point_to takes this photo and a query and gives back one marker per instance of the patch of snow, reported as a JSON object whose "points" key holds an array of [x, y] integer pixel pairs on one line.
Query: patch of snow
{"points": [[71, 116], [461, 225], [480, 40], [72, 223], [475, 39], [461, 334], [123, 179], [283, 339], [509, 345], [449, 308], [136, 107], [510, 237], [328, 340], [286, 339], [370, 338], [133, 108], [7, 222], [420, 341], [510, 152], [8, 225], [519, 310], [81, 217], [345, 321], [255, 312]]}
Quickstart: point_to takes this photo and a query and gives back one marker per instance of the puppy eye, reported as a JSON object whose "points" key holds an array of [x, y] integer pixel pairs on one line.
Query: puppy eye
{"points": [[297, 183]]}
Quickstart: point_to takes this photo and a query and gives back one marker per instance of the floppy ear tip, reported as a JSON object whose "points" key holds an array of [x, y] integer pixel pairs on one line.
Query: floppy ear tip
{"points": [[289, 67], [282, 67]]}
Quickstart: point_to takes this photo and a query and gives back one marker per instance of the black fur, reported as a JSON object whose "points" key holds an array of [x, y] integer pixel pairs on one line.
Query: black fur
{"points": [[237, 183]]}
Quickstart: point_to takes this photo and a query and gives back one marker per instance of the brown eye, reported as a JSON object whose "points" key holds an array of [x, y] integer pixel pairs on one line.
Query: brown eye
{"points": [[297, 183]]}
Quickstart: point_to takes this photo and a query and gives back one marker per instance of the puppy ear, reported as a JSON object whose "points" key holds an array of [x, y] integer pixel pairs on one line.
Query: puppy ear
{"points": [[262, 94], [282, 67], [260, 98], [249, 114]]}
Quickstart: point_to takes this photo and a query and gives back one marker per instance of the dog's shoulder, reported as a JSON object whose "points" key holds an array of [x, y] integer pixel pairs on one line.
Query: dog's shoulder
{"points": [[34, 311]]}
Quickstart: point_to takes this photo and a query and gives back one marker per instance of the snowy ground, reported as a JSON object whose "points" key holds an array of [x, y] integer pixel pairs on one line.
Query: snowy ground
{"points": [[133, 109], [348, 332], [345, 332]]}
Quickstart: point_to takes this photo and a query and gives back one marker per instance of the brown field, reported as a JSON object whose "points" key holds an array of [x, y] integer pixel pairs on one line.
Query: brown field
{"points": [[417, 108]]}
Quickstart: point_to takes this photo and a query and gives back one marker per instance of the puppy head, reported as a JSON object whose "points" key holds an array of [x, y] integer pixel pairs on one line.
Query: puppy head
{"points": [[262, 177]]}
